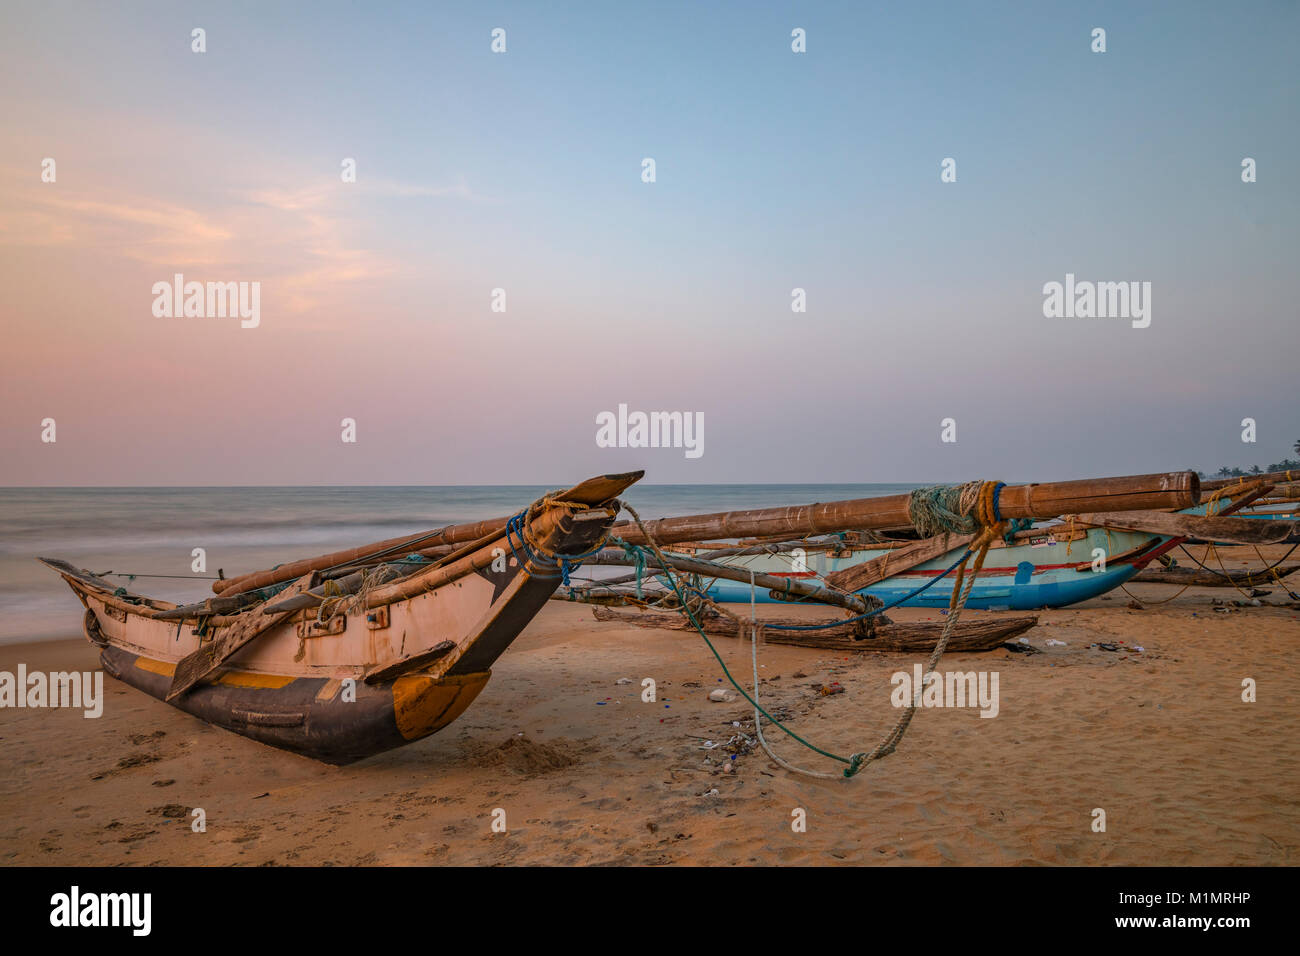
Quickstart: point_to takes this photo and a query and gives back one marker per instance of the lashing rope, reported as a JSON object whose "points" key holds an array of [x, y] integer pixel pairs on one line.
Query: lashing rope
{"points": [[547, 565]]}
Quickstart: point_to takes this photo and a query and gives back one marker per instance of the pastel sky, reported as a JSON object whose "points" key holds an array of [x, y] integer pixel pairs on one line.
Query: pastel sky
{"points": [[522, 171]]}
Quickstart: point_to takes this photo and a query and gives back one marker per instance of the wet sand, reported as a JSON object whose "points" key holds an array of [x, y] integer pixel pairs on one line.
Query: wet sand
{"points": [[588, 773]]}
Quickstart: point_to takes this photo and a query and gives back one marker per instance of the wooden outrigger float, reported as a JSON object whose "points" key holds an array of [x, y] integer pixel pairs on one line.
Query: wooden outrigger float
{"points": [[399, 661], [1210, 578], [890, 637]]}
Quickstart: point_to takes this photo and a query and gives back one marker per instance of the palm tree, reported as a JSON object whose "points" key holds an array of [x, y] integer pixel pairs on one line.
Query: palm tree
{"points": [[1224, 472], [1256, 470], [1296, 447]]}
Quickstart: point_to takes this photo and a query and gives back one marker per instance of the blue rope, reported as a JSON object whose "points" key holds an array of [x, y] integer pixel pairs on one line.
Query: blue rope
{"points": [[566, 564], [516, 526]]}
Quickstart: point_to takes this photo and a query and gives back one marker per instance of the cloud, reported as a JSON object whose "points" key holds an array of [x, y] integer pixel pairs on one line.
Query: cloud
{"points": [[309, 240], [143, 228]]}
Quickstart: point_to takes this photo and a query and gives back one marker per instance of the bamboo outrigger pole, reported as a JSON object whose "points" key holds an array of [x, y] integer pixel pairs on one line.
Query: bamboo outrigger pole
{"points": [[1178, 489]]}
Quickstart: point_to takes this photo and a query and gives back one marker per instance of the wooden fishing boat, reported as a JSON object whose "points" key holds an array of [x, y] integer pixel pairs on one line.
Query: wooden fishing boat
{"points": [[338, 675], [1052, 570], [1039, 568]]}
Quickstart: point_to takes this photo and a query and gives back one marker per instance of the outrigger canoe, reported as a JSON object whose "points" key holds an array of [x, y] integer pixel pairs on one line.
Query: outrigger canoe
{"points": [[398, 664], [1045, 568]]}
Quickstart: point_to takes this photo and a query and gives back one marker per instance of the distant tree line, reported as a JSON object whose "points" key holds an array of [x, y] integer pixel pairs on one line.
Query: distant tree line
{"points": [[1286, 464]]}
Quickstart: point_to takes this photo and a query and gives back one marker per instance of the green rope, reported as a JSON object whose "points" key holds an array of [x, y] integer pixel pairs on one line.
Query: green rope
{"points": [[853, 764], [1014, 525], [967, 499], [636, 555]]}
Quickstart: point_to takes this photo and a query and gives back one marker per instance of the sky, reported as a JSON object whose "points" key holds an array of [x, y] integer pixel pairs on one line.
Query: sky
{"points": [[522, 171]]}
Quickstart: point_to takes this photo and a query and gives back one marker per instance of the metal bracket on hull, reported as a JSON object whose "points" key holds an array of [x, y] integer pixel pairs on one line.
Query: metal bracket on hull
{"points": [[314, 628]]}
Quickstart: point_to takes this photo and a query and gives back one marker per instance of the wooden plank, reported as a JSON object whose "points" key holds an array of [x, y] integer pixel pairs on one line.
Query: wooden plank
{"points": [[1123, 556], [212, 655], [395, 669], [863, 575], [1216, 528]]}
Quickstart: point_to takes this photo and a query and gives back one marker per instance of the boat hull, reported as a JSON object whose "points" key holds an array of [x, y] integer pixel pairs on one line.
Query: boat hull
{"points": [[1019, 577], [1019, 581], [321, 718], [345, 676], [1028, 575]]}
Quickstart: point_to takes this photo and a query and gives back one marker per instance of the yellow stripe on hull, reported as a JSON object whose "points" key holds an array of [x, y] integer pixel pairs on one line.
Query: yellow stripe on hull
{"points": [[230, 678]]}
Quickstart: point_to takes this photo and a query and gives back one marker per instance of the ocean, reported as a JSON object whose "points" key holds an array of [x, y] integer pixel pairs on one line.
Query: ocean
{"points": [[154, 531]]}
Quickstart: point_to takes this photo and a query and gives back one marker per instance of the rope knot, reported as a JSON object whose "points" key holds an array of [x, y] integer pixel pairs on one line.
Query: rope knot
{"points": [[636, 554]]}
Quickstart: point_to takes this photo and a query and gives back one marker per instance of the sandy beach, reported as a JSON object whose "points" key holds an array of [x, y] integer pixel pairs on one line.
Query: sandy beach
{"points": [[588, 773]]}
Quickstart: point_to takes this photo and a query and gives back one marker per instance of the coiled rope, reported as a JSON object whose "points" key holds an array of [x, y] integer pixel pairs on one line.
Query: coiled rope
{"points": [[964, 509]]}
